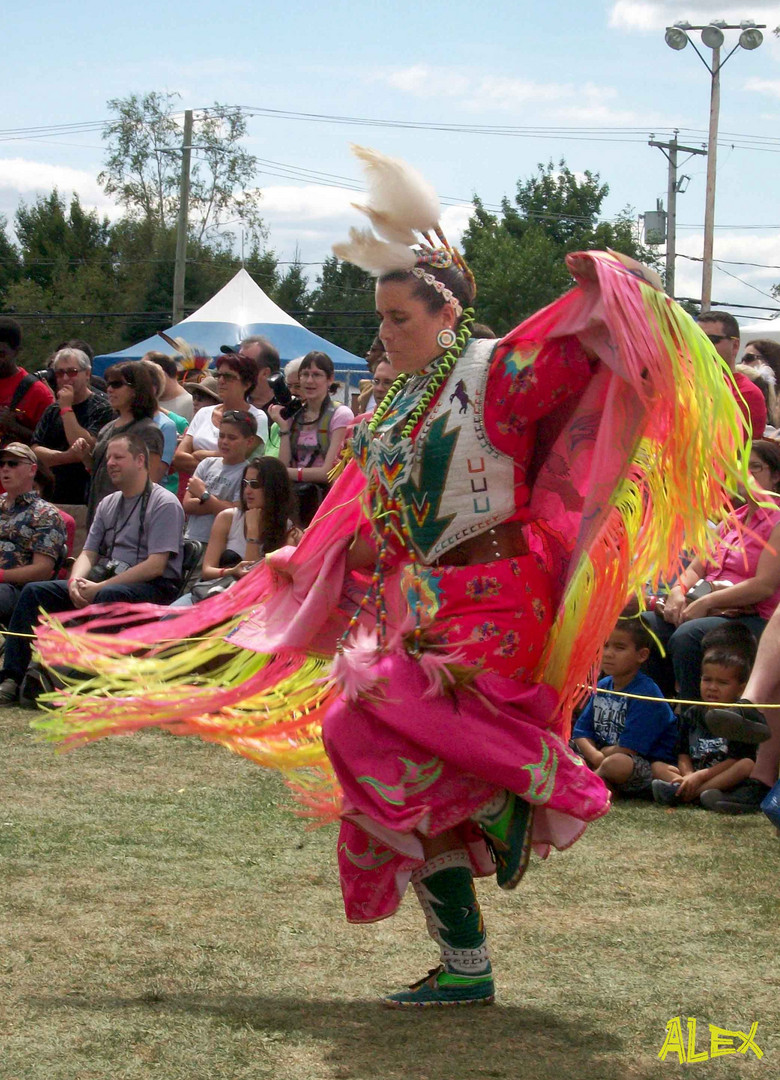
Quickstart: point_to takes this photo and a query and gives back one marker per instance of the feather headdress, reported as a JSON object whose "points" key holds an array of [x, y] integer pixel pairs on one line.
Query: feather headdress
{"points": [[404, 210], [188, 357]]}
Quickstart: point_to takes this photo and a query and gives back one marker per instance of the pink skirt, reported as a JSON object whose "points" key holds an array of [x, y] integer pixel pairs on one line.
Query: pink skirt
{"points": [[417, 756]]}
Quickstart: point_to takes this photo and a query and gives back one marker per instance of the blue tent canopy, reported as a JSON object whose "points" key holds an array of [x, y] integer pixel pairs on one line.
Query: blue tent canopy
{"points": [[239, 310]]}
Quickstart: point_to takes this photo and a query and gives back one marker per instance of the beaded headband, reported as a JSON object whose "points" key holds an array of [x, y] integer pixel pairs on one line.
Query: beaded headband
{"points": [[439, 286]]}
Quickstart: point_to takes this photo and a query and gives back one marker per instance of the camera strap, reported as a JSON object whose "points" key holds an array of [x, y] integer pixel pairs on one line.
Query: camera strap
{"points": [[117, 526]]}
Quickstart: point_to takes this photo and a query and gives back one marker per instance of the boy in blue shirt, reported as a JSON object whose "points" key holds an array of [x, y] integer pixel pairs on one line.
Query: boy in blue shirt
{"points": [[620, 737]]}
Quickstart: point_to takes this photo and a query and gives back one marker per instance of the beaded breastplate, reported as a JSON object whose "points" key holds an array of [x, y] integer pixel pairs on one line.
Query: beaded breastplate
{"points": [[448, 479]]}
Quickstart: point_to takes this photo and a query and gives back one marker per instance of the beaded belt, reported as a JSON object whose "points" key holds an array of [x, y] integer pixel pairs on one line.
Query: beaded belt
{"points": [[501, 542]]}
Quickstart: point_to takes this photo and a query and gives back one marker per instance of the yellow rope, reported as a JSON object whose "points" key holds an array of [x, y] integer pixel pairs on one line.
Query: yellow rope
{"points": [[681, 701]]}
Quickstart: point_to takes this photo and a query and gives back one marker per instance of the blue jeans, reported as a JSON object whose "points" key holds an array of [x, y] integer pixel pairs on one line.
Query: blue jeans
{"points": [[9, 594], [52, 596]]}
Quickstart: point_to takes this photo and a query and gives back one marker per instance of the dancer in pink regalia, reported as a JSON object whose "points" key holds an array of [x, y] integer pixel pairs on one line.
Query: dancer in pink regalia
{"points": [[412, 665]]}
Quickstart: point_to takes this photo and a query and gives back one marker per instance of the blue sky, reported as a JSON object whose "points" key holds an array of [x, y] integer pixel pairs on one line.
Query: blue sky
{"points": [[561, 64]]}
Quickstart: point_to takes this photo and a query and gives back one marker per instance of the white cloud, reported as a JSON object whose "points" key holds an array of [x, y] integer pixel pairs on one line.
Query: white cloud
{"points": [[553, 102], [734, 281], [312, 202], [764, 86], [645, 15], [21, 178]]}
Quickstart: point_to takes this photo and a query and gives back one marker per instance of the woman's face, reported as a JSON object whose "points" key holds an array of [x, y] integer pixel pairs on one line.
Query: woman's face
{"points": [[314, 383], [120, 394], [751, 356], [254, 496], [231, 388], [407, 328], [763, 474]]}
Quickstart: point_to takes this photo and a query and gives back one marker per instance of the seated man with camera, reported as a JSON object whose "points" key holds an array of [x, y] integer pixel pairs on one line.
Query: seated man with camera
{"points": [[133, 553]]}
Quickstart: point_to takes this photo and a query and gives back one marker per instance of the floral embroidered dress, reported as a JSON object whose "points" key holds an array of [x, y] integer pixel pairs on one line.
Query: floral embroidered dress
{"points": [[577, 427]]}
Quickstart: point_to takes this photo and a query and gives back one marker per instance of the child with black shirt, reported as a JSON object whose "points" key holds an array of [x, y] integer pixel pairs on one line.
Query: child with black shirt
{"points": [[706, 762]]}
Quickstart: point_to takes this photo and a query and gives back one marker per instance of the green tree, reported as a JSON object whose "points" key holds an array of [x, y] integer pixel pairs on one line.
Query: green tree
{"points": [[342, 287], [518, 255], [292, 291], [143, 165], [10, 263], [55, 239]]}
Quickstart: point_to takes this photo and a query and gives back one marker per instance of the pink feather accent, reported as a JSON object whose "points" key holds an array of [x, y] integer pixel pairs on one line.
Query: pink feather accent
{"points": [[435, 665], [354, 669]]}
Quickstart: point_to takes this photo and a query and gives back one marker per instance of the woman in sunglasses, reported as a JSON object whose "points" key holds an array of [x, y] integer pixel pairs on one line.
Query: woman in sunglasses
{"points": [[236, 379], [262, 522], [132, 393]]}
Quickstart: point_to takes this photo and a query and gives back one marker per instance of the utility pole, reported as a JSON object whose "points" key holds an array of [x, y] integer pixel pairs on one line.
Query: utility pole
{"points": [[671, 201], [181, 227]]}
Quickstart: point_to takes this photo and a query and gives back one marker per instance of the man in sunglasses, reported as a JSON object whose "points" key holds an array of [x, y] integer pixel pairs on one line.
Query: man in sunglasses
{"points": [[32, 531], [723, 331], [79, 412]]}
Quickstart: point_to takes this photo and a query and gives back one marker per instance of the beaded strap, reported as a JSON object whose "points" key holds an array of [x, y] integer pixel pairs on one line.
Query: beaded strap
{"points": [[389, 514]]}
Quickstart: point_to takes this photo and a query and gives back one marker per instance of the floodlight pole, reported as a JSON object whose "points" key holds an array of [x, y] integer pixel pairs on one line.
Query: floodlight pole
{"points": [[181, 227], [677, 37], [709, 201]]}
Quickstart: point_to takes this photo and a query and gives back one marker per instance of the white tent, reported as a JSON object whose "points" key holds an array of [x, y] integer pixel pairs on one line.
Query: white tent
{"points": [[768, 329], [239, 310]]}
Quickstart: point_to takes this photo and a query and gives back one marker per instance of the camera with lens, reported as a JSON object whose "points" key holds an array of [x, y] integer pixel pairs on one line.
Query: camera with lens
{"points": [[106, 569], [289, 403]]}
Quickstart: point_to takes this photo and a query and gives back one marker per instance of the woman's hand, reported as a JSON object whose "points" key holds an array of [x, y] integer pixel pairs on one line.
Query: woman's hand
{"points": [[701, 608], [242, 569], [674, 607], [275, 412]]}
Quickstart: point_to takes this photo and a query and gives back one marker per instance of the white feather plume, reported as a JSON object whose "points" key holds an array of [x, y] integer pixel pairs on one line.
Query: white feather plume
{"points": [[387, 227], [400, 199], [377, 256]]}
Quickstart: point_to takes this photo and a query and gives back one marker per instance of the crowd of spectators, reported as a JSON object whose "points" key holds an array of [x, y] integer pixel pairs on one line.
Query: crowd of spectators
{"points": [[695, 645], [153, 472], [152, 483]]}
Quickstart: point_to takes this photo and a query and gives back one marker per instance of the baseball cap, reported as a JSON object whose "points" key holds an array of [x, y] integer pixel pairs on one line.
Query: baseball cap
{"points": [[20, 450], [229, 349]]}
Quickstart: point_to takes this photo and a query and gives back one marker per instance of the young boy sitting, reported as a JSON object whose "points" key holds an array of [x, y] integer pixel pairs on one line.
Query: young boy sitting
{"points": [[216, 483], [621, 737], [705, 762]]}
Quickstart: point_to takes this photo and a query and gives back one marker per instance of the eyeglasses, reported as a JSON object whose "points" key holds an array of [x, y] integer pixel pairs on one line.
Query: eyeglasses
{"points": [[71, 372], [235, 414], [255, 484], [751, 358], [116, 383], [227, 375], [716, 338], [757, 466], [12, 463]]}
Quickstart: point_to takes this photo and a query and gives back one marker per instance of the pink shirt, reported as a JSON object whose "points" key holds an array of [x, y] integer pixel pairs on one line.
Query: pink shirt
{"points": [[737, 554]]}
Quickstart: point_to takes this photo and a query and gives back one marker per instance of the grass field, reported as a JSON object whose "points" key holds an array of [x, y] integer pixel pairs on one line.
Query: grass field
{"points": [[164, 916]]}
